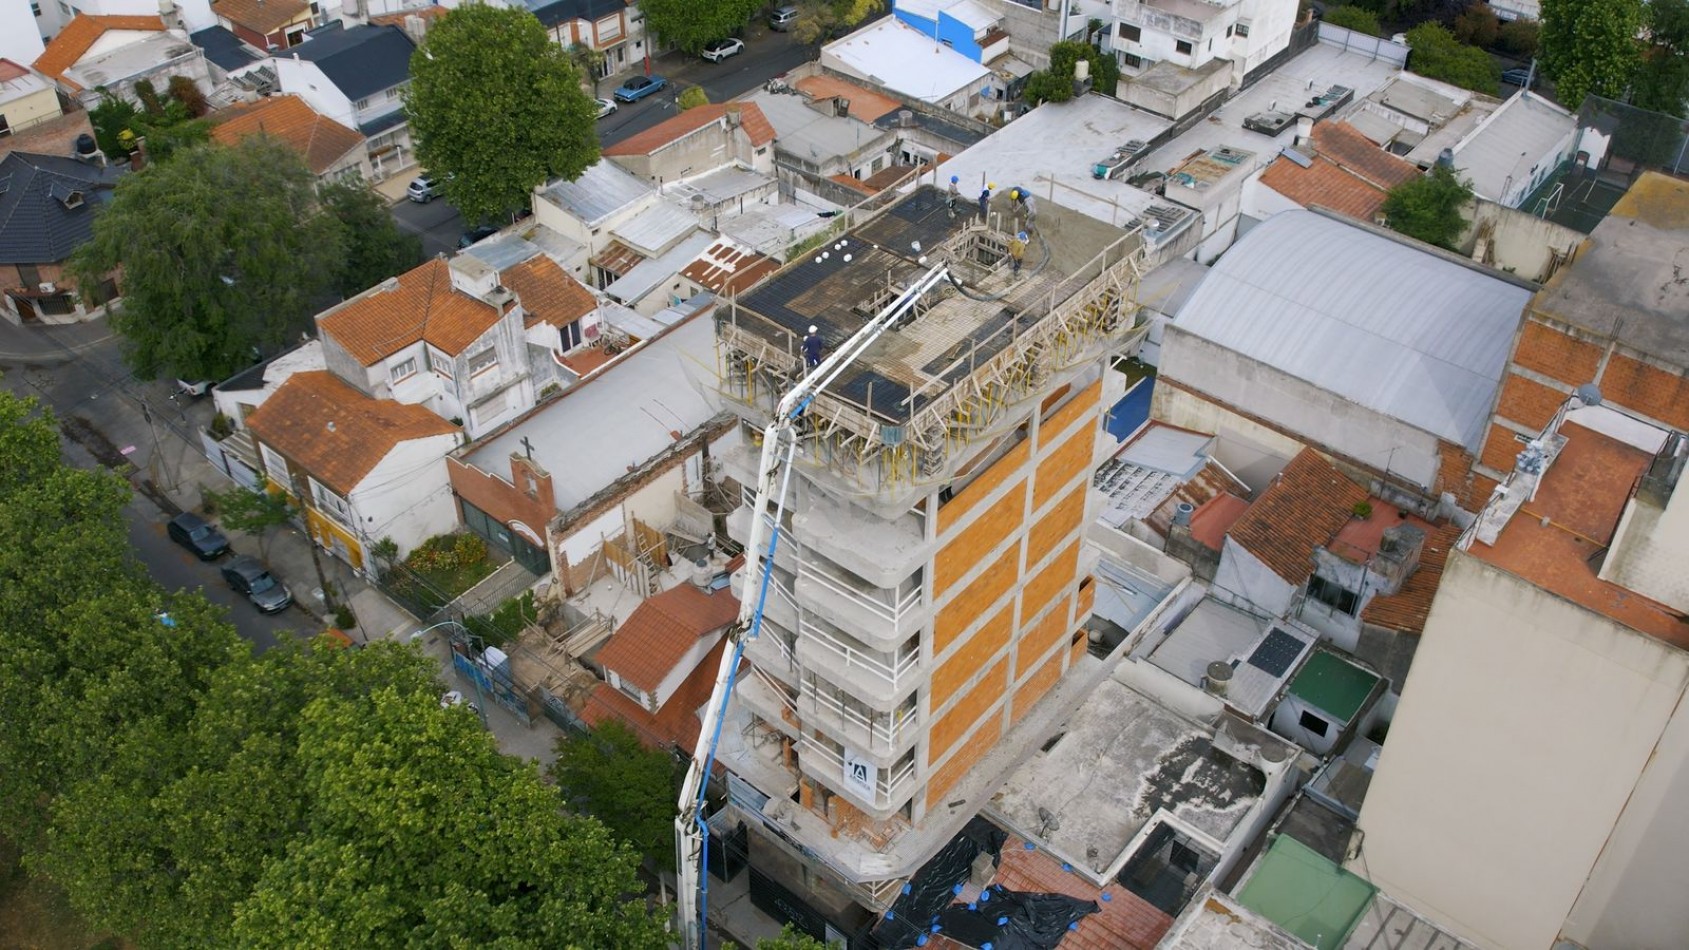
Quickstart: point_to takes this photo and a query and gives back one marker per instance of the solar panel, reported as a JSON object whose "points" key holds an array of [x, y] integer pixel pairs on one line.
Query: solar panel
{"points": [[1276, 653]]}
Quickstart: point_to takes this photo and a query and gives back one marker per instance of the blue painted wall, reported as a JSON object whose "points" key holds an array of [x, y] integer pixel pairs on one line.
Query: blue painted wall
{"points": [[949, 30]]}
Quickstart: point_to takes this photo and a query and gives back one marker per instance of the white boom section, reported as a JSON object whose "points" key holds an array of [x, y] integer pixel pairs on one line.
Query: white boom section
{"points": [[778, 442]]}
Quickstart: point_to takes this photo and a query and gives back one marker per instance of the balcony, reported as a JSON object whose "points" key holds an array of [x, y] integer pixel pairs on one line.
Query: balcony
{"points": [[879, 617], [770, 653], [768, 699], [882, 737], [882, 552], [881, 680], [892, 787]]}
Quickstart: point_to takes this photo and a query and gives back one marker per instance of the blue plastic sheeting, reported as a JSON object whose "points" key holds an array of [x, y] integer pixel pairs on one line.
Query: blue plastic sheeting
{"points": [[1131, 411]]}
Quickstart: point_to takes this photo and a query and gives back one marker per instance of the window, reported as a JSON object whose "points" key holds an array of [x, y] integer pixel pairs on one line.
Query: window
{"points": [[1313, 724], [1131, 33], [361, 104], [570, 336], [35, 8], [327, 501], [439, 363], [1228, 30], [481, 362], [404, 370], [1242, 28], [1333, 595], [65, 8], [1181, 46], [275, 466], [1133, 61]]}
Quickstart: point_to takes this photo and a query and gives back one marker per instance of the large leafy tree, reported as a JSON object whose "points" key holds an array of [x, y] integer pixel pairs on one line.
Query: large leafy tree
{"points": [[496, 108], [608, 774], [819, 20], [689, 24], [1589, 47], [1662, 79], [220, 250], [1430, 208], [1438, 55], [375, 247]]}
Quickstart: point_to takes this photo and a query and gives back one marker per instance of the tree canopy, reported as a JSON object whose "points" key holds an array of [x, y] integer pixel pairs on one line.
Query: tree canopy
{"points": [[690, 24], [1056, 83], [497, 108], [1438, 55], [184, 792], [1359, 19], [631, 789], [220, 251], [375, 247], [1590, 48], [820, 20], [1662, 79], [1430, 207]]}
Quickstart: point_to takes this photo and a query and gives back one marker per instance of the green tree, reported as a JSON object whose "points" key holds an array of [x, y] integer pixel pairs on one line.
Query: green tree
{"points": [[692, 97], [1518, 37], [1105, 72], [1662, 79], [1437, 55], [375, 247], [1477, 25], [1359, 19], [1430, 208], [253, 511], [586, 61], [498, 107], [791, 938], [1590, 48], [1044, 86], [220, 251], [114, 116], [820, 20], [609, 775], [689, 24]]}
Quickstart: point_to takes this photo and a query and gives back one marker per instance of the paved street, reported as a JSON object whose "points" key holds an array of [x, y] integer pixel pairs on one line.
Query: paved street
{"points": [[437, 223]]}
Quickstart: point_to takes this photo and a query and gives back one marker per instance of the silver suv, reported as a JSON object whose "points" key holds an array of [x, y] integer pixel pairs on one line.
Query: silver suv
{"points": [[423, 189], [782, 19]]}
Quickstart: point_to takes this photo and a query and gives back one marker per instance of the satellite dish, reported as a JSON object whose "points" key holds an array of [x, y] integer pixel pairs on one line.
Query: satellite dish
{"points": [[1589, 394]]}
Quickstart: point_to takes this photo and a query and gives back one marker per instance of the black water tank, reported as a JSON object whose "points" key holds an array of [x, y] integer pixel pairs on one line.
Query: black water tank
{"points": [[85, 145]]}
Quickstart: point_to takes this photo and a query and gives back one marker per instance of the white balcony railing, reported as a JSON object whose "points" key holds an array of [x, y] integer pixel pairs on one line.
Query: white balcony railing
{"points": [[882, 613], [891, 788], [896, 673], [883, 733]]}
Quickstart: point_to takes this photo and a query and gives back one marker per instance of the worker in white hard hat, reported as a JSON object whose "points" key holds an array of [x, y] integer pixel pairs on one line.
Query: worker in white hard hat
{"points": [[812, 348]]}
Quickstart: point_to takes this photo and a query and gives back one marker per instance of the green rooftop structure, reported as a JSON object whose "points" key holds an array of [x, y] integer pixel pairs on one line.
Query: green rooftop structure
{"points": [[1307, 895], [1329, 683]]}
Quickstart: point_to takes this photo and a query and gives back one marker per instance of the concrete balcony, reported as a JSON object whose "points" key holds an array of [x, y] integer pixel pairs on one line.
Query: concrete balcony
{"points": [[880, 551], [882, 737], [879, 617], [768, 699], [880, 680], [780, 607], [770, 653], [892, 787]]}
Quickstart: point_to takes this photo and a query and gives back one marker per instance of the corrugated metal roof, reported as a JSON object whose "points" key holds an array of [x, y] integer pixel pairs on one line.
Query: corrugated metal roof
{"points": [[1519, 137], [1398, 330], [602, 190], [648, 275], [1168, 449], [654, 230]]}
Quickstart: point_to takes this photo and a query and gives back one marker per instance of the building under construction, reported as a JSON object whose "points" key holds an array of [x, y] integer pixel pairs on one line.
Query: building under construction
{"points": [[930, 589]]}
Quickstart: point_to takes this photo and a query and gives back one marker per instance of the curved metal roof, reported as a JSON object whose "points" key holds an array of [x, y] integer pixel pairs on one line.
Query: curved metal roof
{"points": [[1376, 320]]}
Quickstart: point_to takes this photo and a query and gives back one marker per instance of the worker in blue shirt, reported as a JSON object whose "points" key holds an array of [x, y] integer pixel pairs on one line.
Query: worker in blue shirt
{"points": [[812, 348]]}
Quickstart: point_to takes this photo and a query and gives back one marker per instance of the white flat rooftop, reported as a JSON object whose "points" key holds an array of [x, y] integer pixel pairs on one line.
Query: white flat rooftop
{"points": [[1287, 89], [902, 59], [1213, 632]]}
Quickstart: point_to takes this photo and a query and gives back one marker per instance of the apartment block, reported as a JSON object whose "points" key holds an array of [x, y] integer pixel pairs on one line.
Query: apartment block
{"points": [[930, 589]]}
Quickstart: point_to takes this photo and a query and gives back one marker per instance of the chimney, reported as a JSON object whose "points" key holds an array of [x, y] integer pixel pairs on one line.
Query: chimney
{"points": [[732, 115], [415, 27], [1304, 130]]}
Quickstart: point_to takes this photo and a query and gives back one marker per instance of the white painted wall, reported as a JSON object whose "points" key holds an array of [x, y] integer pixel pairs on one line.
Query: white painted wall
{"points": [[305, 80], [1271, 22], [21, 32], [1244, 581], [687, 663], [238, 402], [580, 544], [407, 496], [1261, 202], [1524, 726], [1651, 547]]}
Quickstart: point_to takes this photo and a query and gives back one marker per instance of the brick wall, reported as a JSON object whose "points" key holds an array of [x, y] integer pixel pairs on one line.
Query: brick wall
{"points": [[1043, 635], [526, 496], [966, 757], [965, 662], [1652, 391], [980, 488], [995, 524], [1556, 353], [1035, 686], [984, 694]]}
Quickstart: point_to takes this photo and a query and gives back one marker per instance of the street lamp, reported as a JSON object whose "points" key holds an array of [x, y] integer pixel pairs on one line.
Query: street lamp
{"points": [[470, 638]]}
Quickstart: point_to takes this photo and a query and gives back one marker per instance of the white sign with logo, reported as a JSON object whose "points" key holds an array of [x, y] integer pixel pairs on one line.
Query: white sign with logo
{"points": [[860, 775]]}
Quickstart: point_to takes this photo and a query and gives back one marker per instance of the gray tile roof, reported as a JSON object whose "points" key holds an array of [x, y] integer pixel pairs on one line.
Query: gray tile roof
{"points": [[224, 48], [553, 12], [36, 224], [361, 61]]}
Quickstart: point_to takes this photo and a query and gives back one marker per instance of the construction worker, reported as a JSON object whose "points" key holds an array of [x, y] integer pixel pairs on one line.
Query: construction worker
{"points": [[954, 197], [1022, 204], [812, 348], [1017, 251], [985, 201]]}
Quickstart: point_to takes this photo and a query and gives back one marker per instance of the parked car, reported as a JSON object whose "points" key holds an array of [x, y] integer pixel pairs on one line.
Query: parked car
{"points": [[475, 236], [248, 575], [721, 49], [193, 389], [639, 87], [1517, 76], [605, 107], [194, 533], [424, 189], [782, 19]]}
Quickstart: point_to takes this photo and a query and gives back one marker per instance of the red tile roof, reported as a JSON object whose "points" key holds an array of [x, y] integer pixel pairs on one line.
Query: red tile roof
{"points": [[866, 105], [10, 70], [80, 35], [1407, 608], [755, 124], [1304, 507], [548, 294], [428, 14], [727, 268], [1123, 922], [674, 725], [321, 141], [336, 433], [417, 305], [660, 632], [1347, 173], [1215, 517], [261, 16], [852, 182]]}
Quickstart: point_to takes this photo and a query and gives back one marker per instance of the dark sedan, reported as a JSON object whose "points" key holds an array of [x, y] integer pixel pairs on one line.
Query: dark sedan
{"points": [[639, 87], [248, 575], [192, 532]]}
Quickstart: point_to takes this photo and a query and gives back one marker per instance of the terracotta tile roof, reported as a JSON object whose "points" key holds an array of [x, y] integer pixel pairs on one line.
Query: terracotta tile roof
{"points": [[660, 631], [617, 258], [335, 432], [755, 124], [80, 35], [674, 725], [429, 14], [10, 71], [1123, 922], [548, 294], [1304, 507], [889, 177], [851, 182], [1407, 608], [1347, 173], [417, 305], [583, 360], [261, 16], [727, 268], [1212, 519], [866, 105], [321, 141], [1209, 482]]}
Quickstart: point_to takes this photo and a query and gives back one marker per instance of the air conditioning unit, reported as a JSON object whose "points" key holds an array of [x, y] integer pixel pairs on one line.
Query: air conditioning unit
{"points": [[49, 288]]}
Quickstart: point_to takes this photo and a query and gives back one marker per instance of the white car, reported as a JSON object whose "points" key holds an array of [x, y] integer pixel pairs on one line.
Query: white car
{"points": [[605, 107], [721, 49]]}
